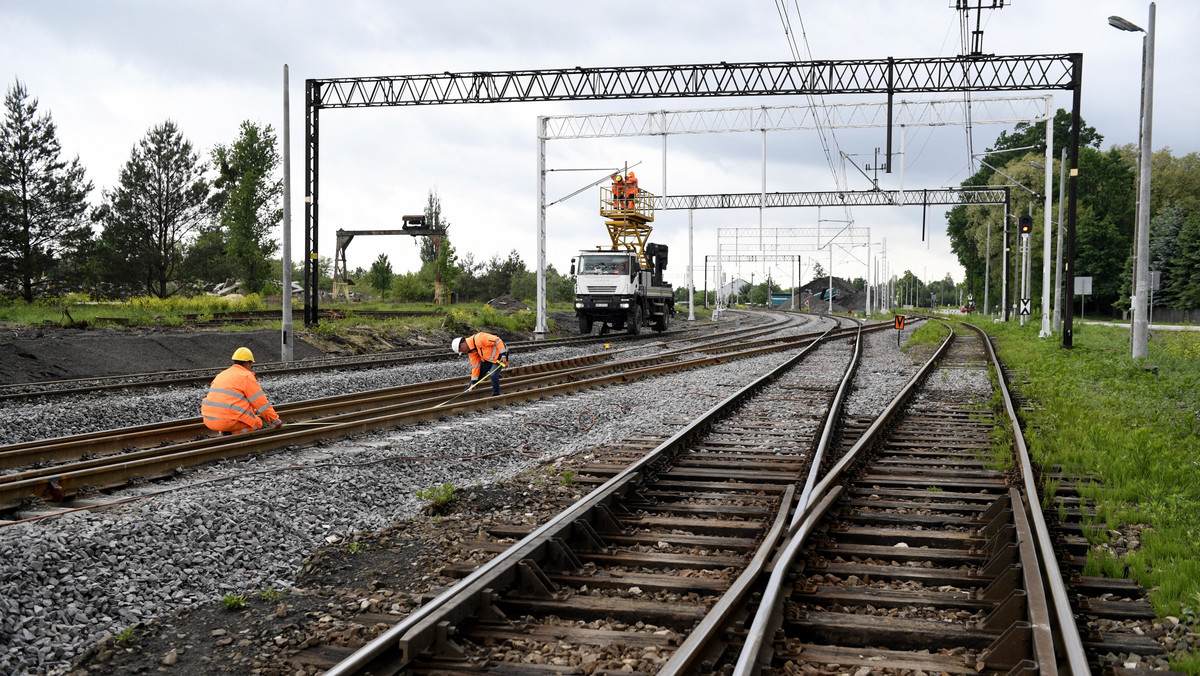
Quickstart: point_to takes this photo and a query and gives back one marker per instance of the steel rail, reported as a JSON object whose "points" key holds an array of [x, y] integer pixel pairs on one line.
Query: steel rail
{"points": [[686, 657], [807, 517], [1039, 570], [65, 481], [386, 399], [1067, 637], [395, 648]]}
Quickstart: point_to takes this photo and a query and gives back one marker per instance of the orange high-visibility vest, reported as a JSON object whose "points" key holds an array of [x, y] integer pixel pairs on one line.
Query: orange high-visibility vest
{"points": [[631, 190], [483, 347], [236, 402]]}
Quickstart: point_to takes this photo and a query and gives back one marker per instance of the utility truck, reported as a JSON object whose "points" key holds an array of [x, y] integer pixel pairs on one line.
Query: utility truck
{"points": [[620, 286]]}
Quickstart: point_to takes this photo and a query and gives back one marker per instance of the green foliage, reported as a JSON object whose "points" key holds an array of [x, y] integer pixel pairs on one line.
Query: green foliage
{"points": [[559, 288], [929, 333], [437, 496], [152, 214], [126, 636], [566, 478], [1134, 432], [44, 236], [380, 276], [357, 547], [233, 601], [247, 201], [272, 595]]}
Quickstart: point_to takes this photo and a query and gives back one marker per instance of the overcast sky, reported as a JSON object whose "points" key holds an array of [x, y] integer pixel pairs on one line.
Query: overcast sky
{"points": [[110, 70]]}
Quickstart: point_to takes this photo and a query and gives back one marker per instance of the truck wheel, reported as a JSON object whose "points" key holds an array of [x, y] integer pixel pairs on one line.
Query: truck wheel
{"points": [[585, 325], [635, 320], [662, 321]]}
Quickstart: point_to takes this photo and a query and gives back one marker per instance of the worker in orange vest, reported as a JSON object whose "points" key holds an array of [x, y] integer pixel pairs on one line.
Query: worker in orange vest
{"points": [[488, 355], [631, 190], [618, 192], [235, 401]]}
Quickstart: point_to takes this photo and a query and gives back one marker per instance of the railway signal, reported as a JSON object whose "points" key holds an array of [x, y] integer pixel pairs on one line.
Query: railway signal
{"points": [[1026, 224], [899, 328]]}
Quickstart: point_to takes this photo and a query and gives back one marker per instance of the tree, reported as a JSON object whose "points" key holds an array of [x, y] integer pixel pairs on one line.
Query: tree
{"points": [[248, 202], [149, 218], [380, 275], [818, 270], [1184, 283], [1165, 229], [42, 201], [434, 220], [968, 236]]}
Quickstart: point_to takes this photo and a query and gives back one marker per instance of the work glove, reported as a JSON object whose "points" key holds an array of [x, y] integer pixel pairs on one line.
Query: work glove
{"points": [[504, 360], [277, 423]]}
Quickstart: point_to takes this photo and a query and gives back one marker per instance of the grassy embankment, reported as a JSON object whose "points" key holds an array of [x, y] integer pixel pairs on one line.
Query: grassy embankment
{"points": [[1101, 415], [180, 311]]}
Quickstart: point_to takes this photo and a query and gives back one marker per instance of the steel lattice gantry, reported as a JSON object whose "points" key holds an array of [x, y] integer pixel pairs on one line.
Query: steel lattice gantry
{"points": [[837, 198], [888, 76]]}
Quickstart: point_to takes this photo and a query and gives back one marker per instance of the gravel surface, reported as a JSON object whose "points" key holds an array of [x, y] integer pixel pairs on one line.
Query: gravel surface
{"points": [[66, 582]]}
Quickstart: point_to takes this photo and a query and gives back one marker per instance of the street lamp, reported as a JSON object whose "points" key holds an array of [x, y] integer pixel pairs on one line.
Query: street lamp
{"points": [[1141, 327]]}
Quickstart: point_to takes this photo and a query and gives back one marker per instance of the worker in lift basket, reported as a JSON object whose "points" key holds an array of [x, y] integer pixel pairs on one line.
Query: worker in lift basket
{"points": [[235, 401], [618, 192], [631, 191], [488, 355]]}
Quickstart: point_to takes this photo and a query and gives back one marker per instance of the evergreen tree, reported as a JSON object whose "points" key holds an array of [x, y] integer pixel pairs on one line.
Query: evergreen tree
{"points": [[248, 202], [1165, 228], [43, 225], [1184, 283], [150, 217], [380, 275], [435, 221]]}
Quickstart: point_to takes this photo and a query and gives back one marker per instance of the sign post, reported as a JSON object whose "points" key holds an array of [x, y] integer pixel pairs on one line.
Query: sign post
{"points": [[899, 328]]}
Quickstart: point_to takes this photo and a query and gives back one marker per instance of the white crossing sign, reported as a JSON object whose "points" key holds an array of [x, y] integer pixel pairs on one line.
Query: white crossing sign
{"points": [[1025, 307]]}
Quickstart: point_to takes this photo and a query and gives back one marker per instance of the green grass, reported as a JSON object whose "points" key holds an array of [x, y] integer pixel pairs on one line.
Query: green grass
{"points": [[233, 601], [929, 333], [437, 496], [1135, 433], [272, 595], [126, 636]]}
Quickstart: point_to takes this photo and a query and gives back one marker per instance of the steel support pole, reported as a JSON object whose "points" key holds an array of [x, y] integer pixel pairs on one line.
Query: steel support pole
{"points": [[1058, 253], [1046, 224], [541, 329], [286, 254], [1004, 268], [312, 179], [987, 271], [1068, 340], [691, 275]]}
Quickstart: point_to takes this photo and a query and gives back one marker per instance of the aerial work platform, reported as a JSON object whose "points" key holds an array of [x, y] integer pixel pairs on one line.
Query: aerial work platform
{"points": [[627, 219]]}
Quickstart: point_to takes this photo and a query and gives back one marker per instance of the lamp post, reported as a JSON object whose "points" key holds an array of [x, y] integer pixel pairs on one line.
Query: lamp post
{"points": [[1141, 327]]}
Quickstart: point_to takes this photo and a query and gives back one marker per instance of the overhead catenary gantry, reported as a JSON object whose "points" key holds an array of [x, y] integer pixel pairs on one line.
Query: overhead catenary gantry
{"points": [[905, 113], [888, 76]]}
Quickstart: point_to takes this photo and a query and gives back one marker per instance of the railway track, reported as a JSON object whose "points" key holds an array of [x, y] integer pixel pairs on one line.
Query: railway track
{"points": [[58, 470], [759, 540], [645, 555]]}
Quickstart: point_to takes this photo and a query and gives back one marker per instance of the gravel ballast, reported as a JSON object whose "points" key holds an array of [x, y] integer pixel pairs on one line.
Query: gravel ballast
{"points": [[65, 582]]}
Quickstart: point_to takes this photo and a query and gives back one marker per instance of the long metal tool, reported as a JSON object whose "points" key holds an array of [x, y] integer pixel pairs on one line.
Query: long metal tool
{"points": [[485, 376]]}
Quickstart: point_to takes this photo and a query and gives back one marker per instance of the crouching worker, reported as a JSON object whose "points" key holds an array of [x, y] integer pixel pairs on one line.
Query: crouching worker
{"points": [[488, 355], [235, 401]]}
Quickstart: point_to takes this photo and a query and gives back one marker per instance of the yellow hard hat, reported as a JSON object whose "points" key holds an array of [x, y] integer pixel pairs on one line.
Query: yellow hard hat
{"points": [[630, 177], [243, 354]]}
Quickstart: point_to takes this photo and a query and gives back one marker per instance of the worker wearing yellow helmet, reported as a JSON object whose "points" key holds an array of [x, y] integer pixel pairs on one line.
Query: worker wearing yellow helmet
{"points": [[235, 401]]}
